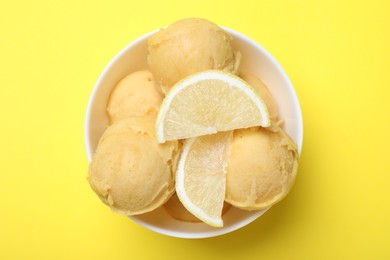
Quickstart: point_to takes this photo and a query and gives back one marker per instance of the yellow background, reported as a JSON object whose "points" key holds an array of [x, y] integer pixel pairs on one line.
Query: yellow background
{"points": [[337, 54]]}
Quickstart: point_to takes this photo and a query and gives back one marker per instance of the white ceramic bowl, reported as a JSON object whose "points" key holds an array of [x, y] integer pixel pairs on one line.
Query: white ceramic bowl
{"points": [[254, 59]]}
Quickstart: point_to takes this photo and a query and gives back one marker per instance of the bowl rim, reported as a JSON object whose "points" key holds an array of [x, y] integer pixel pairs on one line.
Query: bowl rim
{"points": [[207, 234], [299, 123]]}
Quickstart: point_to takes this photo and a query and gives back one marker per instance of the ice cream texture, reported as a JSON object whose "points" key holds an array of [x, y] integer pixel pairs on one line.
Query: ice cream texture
{"points": [[262, 167], [129, 171], [137, 94], [188, 46]]}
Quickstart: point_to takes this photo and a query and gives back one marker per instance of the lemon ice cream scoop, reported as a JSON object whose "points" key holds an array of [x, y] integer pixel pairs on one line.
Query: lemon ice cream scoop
{"points": [[130, 171], [137, 94], [262, 167], [264, 92], [188, 46]]}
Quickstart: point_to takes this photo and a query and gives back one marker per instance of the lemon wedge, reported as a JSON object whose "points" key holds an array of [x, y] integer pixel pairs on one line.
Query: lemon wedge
{"points": [[201, 176], [209, 102]]}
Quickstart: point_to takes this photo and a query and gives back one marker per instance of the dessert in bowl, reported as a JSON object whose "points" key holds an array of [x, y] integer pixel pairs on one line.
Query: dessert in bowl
{"points": [[254, 59]]}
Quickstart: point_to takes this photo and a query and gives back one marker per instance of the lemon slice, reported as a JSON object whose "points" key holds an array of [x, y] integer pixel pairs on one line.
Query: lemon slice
{"points": [[201, 176], [209, 102]]}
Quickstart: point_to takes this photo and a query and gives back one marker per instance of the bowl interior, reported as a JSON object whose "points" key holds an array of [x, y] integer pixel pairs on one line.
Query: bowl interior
{"points": [[255, 59]]}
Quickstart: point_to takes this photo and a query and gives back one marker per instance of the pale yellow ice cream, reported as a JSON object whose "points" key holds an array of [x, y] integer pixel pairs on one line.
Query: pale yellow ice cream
{"points": [[130, 171], [263, 91], [188, 46], [135, 95], [262, 167]]}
